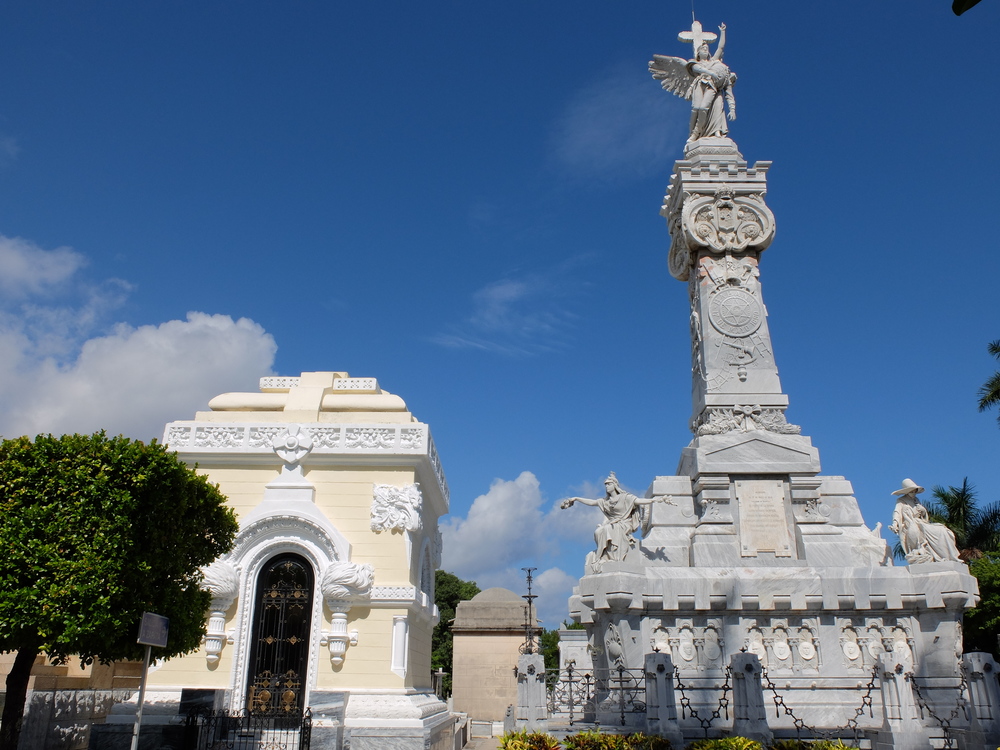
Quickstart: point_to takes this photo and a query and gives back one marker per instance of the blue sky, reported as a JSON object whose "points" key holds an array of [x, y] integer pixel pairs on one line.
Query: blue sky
{"points": [[462, 200]]}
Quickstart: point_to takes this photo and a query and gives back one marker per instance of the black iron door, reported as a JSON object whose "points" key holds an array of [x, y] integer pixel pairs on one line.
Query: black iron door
{"points": [[279, 654]]}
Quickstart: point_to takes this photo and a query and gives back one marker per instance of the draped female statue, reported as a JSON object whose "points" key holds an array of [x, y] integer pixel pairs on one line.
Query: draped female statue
{"points": [[921, 539], [624, 514]]}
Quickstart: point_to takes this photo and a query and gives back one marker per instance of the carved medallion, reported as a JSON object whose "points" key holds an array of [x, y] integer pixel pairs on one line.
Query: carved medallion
{"points": [[713, 651], [735, 312], [782, 650], [903, 649], [851, 650], [687, 650], [806, 650]]}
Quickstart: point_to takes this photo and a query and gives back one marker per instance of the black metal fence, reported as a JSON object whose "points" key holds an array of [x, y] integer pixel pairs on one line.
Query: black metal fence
{"points": [[577, 696], [225, 730]]}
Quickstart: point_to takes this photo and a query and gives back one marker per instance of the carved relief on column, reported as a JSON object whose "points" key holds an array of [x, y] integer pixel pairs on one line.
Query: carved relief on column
{"points": [[659, 639], [726, 222], [713, 645], [902, 643], [733, 338], [614, 647], [743, 418], [806, 648], [686, 647], [851, 646], [780, 648], [755, 644], [396, 508], [222, 581], [344, 584], [721, 222], [876, 641]]}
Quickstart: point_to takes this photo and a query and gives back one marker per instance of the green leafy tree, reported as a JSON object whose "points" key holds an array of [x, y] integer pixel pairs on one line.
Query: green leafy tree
{"points": [[449, 590], [93, 532], [548, 643], [989, 394], [982, 624], [977, 530]]}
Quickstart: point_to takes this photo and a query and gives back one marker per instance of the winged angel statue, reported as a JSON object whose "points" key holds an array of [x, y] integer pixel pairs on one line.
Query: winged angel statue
{"points": [[706, 81]]}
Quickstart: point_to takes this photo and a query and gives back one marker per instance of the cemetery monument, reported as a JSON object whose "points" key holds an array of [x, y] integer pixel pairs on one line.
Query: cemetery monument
{"points": [[756, 572]]}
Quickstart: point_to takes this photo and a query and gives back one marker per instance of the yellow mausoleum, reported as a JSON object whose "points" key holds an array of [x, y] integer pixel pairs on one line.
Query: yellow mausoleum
{"points": [[327, 600]]}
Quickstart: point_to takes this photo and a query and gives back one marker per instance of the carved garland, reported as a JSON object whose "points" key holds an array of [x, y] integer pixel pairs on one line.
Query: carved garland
{"points": [[743, 418]]}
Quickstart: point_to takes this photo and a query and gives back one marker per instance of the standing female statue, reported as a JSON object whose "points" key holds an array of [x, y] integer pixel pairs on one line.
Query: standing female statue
{"points": [[922, 540], [706, 81]]}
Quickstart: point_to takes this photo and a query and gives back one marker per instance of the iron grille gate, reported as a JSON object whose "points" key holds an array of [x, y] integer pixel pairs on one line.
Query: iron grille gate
{"points": [[280, 641], [575, 696], [224, 730]]}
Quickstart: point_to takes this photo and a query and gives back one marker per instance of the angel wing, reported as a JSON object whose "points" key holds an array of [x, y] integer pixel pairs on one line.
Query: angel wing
{"points": [[673, 74]]}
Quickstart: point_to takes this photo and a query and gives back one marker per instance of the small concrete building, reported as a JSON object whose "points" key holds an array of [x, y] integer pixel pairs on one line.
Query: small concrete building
{"points": [[488, 633]]}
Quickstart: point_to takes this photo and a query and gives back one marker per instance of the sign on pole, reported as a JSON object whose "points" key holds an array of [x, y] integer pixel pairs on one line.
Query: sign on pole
{"points": [[152, 632]]}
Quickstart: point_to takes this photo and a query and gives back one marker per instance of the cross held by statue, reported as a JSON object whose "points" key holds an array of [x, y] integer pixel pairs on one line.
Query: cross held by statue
{"points": [[696, 36]]}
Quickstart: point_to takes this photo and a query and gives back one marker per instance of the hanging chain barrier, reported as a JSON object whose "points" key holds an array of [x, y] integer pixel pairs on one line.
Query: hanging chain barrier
{"points": [[688, 710], [961, 706], [851, 726], [779, 703]]}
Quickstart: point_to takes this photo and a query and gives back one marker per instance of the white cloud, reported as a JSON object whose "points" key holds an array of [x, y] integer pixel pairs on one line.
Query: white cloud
{"points": [[520, 314], [62, 373], [26, 269], [509, 528], [502, 527], [622, 125]]}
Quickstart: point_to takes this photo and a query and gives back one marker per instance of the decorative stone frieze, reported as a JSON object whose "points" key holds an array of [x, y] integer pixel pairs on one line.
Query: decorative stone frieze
{"points": [[743, 418], [327, 441]]}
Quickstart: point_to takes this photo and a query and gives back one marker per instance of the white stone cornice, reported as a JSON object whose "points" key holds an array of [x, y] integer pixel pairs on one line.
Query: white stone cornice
{"points": [[331, 444]]}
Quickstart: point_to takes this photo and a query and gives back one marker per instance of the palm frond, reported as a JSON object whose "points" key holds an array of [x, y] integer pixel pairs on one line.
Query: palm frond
{"points": [[989, 393], [956, 508], [986, 533]]}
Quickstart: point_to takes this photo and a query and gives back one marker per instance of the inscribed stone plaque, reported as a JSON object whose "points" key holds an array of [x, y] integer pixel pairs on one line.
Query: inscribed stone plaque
{"points": [[763, 523]]}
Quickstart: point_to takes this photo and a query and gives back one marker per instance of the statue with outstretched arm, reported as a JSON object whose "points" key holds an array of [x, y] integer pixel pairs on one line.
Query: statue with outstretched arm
{"points": [[623, 516]]}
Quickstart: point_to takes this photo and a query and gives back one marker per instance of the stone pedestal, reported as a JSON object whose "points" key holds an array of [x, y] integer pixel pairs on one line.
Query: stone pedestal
{"points": [[749, 714], [532, 711], [661, 704]]}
